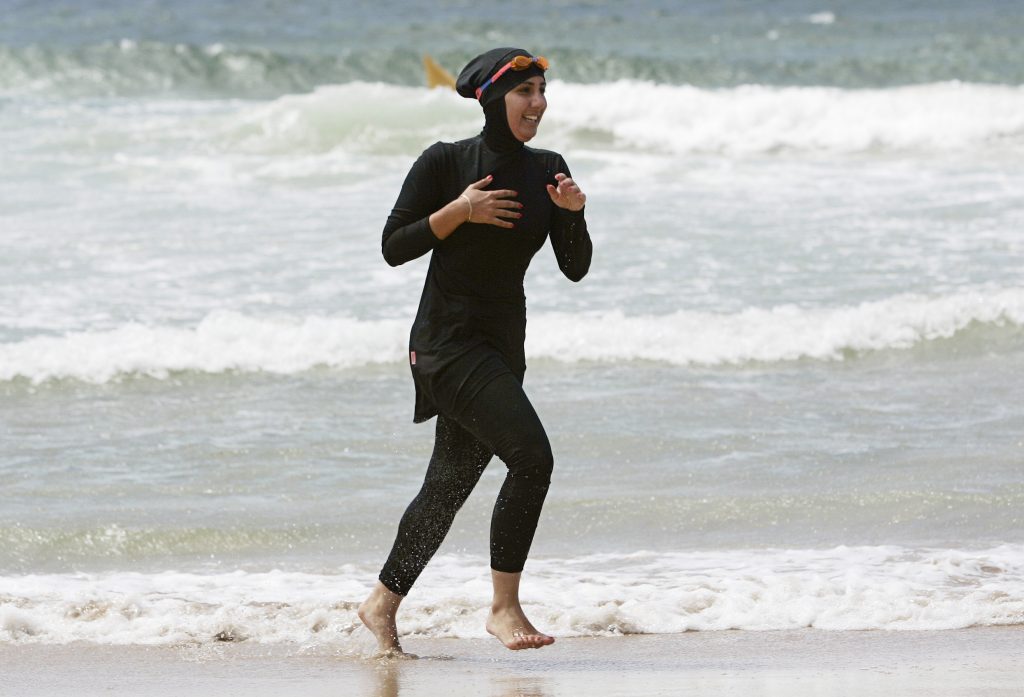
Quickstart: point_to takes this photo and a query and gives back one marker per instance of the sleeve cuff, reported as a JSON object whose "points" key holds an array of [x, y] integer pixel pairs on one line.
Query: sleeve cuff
{"points": [[571, 216]]}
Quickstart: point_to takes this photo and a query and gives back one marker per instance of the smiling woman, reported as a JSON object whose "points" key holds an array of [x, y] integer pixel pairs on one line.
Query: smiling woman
{"points": [[483, 207], [525, 106]]}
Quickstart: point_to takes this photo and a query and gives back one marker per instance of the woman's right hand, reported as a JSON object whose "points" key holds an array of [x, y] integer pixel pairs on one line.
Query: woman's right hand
{"points": [[497, 207]]}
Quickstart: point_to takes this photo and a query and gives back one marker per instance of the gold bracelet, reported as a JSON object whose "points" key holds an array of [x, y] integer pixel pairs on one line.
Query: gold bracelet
{"points": [[470, 216]]}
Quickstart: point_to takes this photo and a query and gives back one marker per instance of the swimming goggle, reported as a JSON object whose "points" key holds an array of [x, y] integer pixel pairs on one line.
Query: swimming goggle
{"points": [[517, 63]]}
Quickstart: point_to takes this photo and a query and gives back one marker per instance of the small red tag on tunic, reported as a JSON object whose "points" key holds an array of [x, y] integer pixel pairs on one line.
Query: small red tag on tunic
{"points": [[412, 357]]}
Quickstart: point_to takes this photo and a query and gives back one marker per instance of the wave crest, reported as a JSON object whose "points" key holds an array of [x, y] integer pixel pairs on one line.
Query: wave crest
{"points": [[228, 341], [131, 67], [657, 118], [845, 588], [128, 68], [760, 119]]}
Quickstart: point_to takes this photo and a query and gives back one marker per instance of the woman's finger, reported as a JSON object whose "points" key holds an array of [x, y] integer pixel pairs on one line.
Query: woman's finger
{"points": [[482, 183], [568, 186], [503, 193]]}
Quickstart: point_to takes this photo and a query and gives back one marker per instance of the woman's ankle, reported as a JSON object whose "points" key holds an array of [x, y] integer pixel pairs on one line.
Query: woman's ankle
{"points": [[506, 590], [384, 597], [505, 601]]}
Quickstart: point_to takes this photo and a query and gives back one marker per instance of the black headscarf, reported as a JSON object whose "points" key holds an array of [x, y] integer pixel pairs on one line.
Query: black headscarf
{"points": [[496, 133]]}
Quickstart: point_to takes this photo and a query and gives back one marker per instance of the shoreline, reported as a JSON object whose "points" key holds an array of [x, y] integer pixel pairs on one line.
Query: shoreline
{"points": [[981, 660]]}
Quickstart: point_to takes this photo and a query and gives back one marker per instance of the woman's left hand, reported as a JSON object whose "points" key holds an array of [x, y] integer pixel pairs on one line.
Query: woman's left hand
{"points": [[567, 195]]}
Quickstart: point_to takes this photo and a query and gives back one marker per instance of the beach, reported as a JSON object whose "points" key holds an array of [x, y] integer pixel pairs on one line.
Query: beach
{"points": [[982, 661], [784, 403]]}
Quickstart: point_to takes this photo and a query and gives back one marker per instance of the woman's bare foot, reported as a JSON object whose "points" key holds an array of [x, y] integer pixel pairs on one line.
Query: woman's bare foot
{"points": [[507, 620], [378, 614], [513, 630]]}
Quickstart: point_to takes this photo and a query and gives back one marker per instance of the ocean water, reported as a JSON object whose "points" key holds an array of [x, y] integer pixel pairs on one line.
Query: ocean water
{"points": [[787, 395]]}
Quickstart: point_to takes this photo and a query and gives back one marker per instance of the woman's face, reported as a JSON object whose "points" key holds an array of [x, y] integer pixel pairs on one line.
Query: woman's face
{"points": [[525, 105]]}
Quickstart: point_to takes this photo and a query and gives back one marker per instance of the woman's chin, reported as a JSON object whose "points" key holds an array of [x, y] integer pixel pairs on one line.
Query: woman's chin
{"points": [[524, 135]]}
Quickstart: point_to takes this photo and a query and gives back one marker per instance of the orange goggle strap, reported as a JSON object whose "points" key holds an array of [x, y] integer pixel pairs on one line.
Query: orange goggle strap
{"points": [[517, 63]]}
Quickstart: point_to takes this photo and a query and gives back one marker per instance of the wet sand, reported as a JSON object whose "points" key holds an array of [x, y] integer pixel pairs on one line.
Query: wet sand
{"points": [[981, 661]]}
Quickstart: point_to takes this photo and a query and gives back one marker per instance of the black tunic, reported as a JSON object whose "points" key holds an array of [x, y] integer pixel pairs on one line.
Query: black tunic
{"points": [[471, 323]]}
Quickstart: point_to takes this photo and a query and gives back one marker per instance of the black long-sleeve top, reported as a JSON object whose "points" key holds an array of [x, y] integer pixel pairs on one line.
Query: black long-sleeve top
{"points": [[473, 300]]}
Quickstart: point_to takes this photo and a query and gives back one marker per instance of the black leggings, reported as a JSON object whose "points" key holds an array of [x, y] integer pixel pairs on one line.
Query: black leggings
{"points": [[498, 420]]}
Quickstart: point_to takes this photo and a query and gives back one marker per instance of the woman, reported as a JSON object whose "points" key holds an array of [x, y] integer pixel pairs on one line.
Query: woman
{"points": [[483, 207]]}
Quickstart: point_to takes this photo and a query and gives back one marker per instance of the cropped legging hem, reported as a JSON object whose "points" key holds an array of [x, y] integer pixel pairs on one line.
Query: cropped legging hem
{"points": [[399, 586]]}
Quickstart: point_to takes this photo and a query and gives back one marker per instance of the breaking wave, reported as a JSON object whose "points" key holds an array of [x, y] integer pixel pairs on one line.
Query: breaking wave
{"points": [[652, 117], [844, 588], [230, 342], [128, 67]]}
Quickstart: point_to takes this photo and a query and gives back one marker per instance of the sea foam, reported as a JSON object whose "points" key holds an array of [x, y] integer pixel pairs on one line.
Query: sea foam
{"points": [[228, 341], [844, 588]]}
